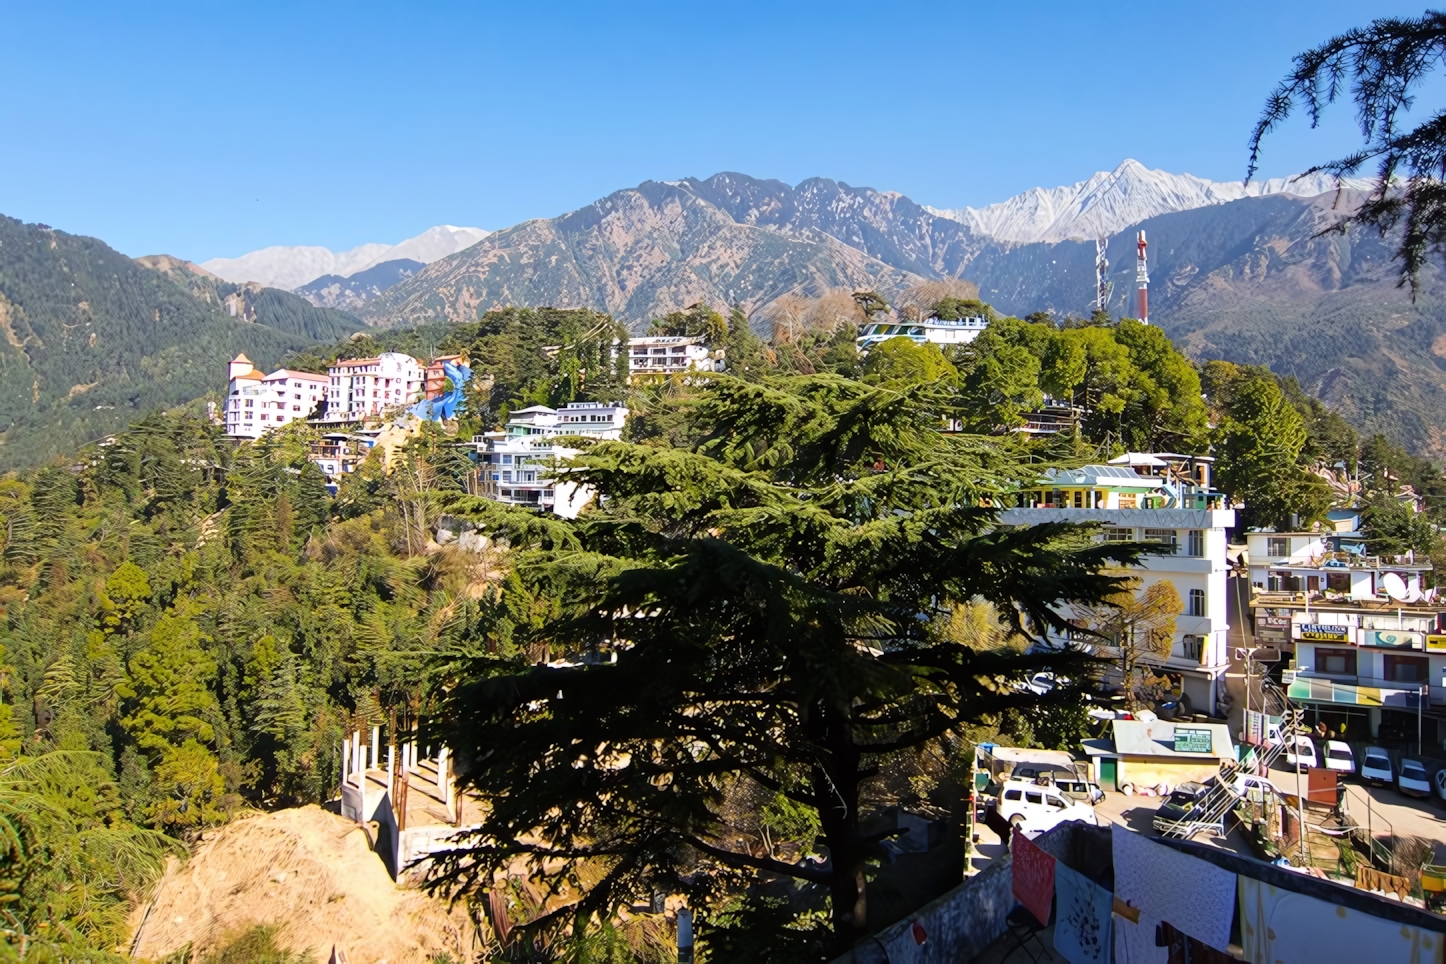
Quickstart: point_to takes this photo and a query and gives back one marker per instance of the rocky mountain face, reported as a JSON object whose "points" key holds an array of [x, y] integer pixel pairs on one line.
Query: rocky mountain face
{"points": [[644, 251], [351, 293], [1250, 280], [1110, 201], [291, 266]]}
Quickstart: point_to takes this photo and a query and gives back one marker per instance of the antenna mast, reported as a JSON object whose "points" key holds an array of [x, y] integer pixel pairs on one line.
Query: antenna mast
{"points": [[1142, 279], [1103, 286]]}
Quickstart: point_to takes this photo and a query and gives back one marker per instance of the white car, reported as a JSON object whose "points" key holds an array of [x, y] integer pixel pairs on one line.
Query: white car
{"points": [[1440, 781], [1031, 807], [1338, 756], [1413, 781], [1376, 767], [1300, 752], [1250, 787]]}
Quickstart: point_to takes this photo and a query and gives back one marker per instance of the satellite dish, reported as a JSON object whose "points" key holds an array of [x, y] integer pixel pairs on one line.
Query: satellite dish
{"points": [[1413, 593], [1395, 586]]}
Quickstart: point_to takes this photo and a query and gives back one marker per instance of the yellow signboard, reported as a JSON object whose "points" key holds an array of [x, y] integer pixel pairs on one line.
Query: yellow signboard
{"points": [[1325, 634], [1435, 643]]}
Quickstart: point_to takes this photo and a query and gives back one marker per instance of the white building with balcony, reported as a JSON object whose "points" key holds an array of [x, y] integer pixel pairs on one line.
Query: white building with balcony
{"points": [[362, 388], [937, 331], [515, 464], [256, 403], [671, 355], [1164, 499]]}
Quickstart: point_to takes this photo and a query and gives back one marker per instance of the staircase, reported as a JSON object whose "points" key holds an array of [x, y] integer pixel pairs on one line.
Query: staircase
{"points": [[1221, 799]]}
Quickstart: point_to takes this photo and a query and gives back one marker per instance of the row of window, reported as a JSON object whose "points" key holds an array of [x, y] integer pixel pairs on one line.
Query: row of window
{"points": [[1169, 539], [1396, 669]]}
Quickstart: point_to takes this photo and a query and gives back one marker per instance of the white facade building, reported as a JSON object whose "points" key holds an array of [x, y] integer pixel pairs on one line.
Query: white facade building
{"points": [[365, 387], [1164, 499], [939, 331], [513, 465], [256, 403], [671, 355]]}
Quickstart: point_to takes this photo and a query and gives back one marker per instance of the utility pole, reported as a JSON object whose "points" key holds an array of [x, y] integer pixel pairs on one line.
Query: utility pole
{"points": [[1103, 286], [1298, 719]]}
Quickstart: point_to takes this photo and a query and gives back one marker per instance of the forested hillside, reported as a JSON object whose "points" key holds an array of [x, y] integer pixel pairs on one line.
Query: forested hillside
{"points": [[92, 340]]}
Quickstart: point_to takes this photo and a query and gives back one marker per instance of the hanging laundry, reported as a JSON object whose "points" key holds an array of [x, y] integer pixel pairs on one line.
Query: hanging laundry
{"points": [[1279, 926], [1033, 871], [1081, 918], [1181, 948], [1194, 895], [1136, 940]]}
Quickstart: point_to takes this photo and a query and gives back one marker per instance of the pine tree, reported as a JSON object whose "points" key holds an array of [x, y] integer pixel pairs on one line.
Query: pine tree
{"points": [[769, 599], [168, 693]]}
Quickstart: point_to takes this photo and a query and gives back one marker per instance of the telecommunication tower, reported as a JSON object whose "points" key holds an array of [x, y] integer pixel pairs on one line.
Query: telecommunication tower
{"points": [[1142, 279], [1103, 286]]}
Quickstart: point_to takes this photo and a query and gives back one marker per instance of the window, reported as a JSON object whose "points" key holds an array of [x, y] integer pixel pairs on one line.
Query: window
{"points": [[1196, 544], [1117, 534], [1335, 662], [1165, 537], [1031, 796], [1407, 669], [1197, 603], [1055, 803], [1192, 646], [1277, 547]]}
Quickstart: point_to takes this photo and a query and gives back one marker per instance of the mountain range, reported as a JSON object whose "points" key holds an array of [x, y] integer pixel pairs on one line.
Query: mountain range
{"points": [[91, 338], [292, 266], [1109, 201]]}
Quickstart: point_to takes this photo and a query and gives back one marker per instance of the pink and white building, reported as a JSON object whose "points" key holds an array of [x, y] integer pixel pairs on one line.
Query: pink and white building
{"points": [[363, 387], [257, 403]]}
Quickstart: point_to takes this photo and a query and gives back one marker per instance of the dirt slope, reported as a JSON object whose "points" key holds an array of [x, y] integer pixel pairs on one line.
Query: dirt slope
{"points": [[309, 872]]}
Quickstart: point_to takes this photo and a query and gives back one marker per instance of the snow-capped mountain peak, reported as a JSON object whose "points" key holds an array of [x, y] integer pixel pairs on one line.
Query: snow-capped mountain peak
{"points": [[291, 266], [1112, 200]]}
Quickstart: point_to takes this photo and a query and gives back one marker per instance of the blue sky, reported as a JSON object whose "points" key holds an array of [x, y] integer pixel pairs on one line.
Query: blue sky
{"points": [[210, 129]]}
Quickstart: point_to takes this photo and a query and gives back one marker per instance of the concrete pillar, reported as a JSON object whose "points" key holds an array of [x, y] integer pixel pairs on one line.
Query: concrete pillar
{"points": [[376, 745], [345, 759], [442, 774], [1375, 717], [358, 764], [392, 766]]}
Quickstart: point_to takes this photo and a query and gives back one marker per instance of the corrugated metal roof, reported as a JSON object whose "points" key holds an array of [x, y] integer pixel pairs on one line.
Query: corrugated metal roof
{"points": [[1157, 738]]}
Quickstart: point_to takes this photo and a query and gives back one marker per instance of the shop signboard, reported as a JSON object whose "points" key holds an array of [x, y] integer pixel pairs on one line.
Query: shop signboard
{"points": [[1435, 643], [1265, 621], [1394, 638], [1317, 633], [1193, 740]]}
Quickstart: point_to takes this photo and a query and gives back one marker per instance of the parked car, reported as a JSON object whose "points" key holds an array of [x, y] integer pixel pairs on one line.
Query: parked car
{"points": [[1300, 752], [1183, 812], [1051, 772], [1440, 780], [1338, 756], [1376, 767], [1413, 781], [1031, 807], [1250, 787], [1081, 790]]}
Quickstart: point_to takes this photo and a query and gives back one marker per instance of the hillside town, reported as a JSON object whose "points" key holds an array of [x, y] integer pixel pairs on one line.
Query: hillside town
{"points": [[539, 484], [1270, 691]]}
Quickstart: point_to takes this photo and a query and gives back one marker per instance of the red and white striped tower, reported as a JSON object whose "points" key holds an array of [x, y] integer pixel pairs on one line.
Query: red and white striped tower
{"points": [[1142, 280]]}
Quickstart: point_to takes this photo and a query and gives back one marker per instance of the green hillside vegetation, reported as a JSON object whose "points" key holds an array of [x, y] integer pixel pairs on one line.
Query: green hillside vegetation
{"points": [[91, 340]]}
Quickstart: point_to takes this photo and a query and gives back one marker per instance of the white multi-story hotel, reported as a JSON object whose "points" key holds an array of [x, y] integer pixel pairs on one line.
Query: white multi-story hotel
{"points": [[513, 464], [671, 355], [257, 403], [1164, 499], [938, 331], [364, 387]]}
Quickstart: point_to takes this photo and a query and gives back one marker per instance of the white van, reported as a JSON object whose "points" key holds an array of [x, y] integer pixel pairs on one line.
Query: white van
{"points": [[1031, 807]]}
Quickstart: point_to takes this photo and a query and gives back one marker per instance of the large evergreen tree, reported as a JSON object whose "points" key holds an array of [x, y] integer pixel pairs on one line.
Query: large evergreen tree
{"points": [[760, 612]]}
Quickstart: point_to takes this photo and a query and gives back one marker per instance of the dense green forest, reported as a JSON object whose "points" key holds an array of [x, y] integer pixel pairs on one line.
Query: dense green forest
{"points": [[91, 339]]}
